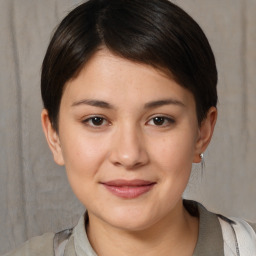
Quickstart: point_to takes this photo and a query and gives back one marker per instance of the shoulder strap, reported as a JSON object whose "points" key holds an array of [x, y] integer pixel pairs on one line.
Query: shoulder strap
{"points": [[239, 237], [60, 240]]}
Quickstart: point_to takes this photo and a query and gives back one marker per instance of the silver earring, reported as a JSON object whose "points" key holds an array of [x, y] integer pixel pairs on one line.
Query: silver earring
{"points": [[202, 161]]}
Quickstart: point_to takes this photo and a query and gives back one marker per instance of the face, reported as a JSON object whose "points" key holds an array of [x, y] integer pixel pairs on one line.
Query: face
{"points": [[128, 135]]}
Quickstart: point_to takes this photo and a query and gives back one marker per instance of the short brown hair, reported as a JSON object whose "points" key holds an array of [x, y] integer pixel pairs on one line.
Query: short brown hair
{"points": [[154, 32]]}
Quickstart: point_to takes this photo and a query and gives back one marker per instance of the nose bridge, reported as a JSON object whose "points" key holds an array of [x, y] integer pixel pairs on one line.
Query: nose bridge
{"points": [[129, 148]]}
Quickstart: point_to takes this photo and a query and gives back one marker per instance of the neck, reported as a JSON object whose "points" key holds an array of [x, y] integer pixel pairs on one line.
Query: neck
{"points": [[175, 234]]}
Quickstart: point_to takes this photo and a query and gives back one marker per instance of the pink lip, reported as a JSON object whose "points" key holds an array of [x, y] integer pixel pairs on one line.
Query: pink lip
{"points": [[128, 188]]}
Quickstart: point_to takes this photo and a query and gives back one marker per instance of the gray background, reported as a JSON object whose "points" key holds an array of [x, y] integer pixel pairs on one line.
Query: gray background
{"points": [[34, 194]]}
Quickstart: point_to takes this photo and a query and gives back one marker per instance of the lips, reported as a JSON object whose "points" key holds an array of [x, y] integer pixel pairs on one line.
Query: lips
{"points": [[128, 189]]}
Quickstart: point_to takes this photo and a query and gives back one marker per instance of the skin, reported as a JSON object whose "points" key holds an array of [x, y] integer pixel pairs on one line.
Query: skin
{"points": [[146, 129]]}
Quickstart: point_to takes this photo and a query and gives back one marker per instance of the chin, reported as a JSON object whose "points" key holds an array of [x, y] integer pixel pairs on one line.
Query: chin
{"points": [[130, 219], [132, 225]]}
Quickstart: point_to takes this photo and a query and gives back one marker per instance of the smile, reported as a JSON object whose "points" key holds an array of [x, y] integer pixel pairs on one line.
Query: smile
{"points": [[128, 189]]}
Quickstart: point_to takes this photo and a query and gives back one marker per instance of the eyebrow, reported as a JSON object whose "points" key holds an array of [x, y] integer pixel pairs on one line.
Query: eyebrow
{"points": [[160, 103], [104, 104], [94, 103]]}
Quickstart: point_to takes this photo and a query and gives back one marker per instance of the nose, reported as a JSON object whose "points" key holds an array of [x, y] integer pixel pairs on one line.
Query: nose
{"points": [[129, 148]]}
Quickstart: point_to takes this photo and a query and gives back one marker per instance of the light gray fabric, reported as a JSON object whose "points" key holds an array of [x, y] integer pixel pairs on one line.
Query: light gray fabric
{"points": [[82, 244], [60, 241], [239, 237], [34, 193], [210, 239], [70, 248]]}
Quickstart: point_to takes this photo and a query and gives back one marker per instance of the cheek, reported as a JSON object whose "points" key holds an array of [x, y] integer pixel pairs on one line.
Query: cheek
{"points": [[83, 156], [175, 150], [82, 162], [173, 159]]}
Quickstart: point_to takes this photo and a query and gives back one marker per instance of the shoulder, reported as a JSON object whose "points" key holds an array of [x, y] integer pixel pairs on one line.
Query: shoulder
{"points": [[238, 225], [238, 235], [36, 246], [220, 235]]}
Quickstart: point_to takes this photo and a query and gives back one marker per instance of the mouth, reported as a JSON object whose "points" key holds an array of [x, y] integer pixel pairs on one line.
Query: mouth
{"points": [[128, 189]]}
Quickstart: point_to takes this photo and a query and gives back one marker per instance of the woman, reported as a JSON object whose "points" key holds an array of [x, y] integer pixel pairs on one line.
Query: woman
{"points": [[129, 92]]}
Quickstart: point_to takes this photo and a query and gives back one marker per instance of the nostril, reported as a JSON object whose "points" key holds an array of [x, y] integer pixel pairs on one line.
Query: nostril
{"points": [[117, 163], [129, 166], [138, 164]]}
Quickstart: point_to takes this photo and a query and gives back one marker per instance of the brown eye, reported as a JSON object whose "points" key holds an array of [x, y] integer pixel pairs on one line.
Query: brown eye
{"points": [[158, 120], [95, 121], [161, 121]]}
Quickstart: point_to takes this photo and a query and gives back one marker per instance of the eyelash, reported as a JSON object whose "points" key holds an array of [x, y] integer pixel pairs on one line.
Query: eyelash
{"points": [[164, 121], [89, 121]]}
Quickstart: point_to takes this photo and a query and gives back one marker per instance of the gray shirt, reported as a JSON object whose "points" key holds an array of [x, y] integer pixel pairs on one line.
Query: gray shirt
{"points": [[74, 242]]}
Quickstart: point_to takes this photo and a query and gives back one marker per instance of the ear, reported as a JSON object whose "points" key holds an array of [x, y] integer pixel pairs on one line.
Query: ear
{"points": [[205, 133], [52, 138]]}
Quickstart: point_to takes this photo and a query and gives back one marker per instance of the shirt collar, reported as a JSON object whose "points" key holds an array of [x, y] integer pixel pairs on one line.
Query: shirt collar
{"points": [[210, 239]]}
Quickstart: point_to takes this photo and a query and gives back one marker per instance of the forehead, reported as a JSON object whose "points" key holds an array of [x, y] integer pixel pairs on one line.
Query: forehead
{"points": [[115, 79]]}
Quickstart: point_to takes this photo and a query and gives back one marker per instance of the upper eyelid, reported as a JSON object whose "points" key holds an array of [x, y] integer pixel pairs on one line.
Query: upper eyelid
{"points": [[168, 119], [163, 116], [85, 118], [90, 117]]}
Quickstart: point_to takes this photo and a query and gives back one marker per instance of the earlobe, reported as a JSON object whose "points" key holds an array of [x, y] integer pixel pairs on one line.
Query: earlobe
{"points": [[205, 133], [52, 138]]}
